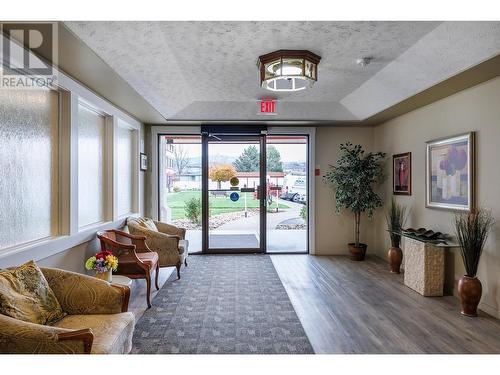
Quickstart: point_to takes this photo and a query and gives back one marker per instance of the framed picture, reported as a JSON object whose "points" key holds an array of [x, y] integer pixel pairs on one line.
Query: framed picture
{"points": [[450, 173], [144, 162], [401, 174]]}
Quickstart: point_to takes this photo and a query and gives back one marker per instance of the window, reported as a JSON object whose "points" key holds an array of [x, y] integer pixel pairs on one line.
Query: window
{"points": [[125, 168], [180, 183], [28, 166], [91, 166], [67, 162]]}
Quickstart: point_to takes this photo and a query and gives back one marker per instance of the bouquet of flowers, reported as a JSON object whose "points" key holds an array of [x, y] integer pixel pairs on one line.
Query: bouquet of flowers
{"points": [[102, 262]]}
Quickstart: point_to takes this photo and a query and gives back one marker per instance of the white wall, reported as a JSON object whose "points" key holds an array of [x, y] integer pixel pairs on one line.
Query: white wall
{"points": [[476, 109]]}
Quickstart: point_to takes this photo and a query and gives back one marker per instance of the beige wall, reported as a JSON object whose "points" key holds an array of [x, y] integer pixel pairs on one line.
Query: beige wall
{"points": [[335, 231], [72, 259], [477, 109]]}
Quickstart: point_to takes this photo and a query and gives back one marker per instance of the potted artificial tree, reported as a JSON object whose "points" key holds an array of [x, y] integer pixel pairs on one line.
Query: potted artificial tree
{"points": [[353, 178], [395, 217], [472, 230]]}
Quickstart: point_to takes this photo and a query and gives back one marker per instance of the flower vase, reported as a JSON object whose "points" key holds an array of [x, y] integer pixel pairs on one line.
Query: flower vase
{"points": [[106, 276]]}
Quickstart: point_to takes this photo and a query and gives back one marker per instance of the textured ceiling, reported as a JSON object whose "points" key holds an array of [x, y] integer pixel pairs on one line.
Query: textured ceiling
{"points": [[207, 70]]}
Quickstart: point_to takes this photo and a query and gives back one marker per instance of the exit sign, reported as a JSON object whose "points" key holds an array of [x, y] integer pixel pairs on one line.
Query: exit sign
{"points": [[267, 106]]}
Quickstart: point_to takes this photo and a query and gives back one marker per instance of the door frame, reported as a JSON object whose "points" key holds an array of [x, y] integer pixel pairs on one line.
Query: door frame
{"points": [[205, 140], [152, 184]]}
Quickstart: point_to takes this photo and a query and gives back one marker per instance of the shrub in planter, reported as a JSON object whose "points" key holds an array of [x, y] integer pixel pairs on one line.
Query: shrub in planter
{"points": [[472, 230], [395, 218], [353, 178], [303, 213]]}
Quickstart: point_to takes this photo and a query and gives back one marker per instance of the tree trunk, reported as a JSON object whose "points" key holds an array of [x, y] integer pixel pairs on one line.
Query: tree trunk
{"points": [[218, 185], [357, 217]]}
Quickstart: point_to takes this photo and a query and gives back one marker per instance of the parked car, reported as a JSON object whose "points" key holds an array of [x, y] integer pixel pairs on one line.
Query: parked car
{"points": [[299, 198], [288, 196]]}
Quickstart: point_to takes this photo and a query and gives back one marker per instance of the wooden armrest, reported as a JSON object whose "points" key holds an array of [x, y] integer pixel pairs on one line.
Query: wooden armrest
{"points": [[125, 290], [84, 335]]}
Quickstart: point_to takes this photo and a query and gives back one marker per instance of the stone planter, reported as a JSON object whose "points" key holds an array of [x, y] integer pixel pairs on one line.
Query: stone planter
{"points": [[424, 267]]}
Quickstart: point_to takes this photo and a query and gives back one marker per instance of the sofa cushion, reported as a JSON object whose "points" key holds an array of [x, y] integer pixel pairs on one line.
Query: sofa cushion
{"points": [[112, 333], [26, 295]]}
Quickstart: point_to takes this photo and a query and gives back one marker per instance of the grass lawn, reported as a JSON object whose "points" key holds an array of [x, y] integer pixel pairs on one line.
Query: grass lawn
{"points": [[218, 205]]}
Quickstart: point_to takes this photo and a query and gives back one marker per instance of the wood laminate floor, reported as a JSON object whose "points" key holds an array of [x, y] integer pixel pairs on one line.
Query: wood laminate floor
{"points": [[359, 307]]}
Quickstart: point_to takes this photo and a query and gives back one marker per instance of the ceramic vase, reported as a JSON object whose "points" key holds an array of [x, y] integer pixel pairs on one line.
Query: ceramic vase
{"points": [[395, 256], [469, 291], [106, 276]]}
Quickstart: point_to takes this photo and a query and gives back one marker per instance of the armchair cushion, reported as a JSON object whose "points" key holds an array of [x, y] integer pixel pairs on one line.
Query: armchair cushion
{"points": [[112, 332], [26, 295], [145, 223], [128, 265], [170, 229]]}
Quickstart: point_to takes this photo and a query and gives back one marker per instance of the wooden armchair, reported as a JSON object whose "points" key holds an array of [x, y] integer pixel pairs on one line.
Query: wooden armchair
{"points": [[135, 259]]}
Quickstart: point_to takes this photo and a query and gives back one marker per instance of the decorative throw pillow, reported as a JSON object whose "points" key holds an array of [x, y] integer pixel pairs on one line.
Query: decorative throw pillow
{"points": [[26, 295], [147, 223]]}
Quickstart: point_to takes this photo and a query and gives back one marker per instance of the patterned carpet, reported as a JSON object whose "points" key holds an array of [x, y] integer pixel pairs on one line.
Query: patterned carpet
{"points": [[222, 304]]}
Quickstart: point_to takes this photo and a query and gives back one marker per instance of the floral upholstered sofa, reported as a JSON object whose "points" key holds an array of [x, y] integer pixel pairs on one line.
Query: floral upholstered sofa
{"points": [[94, 318]]}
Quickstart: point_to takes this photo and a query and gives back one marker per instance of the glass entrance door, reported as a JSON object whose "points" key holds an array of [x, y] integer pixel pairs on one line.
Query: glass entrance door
{"points": [[234, 206]]}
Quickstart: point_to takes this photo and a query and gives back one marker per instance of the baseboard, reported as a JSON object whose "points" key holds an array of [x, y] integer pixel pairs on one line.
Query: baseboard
{"points": [[490, 310]]}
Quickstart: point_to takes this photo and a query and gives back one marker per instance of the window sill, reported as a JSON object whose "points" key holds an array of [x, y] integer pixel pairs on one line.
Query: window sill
{"points": [[47, 247]]}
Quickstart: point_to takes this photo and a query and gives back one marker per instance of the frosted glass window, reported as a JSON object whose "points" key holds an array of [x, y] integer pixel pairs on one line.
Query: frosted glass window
{"points": [[91, 166], [28, 166], [125, 149]]}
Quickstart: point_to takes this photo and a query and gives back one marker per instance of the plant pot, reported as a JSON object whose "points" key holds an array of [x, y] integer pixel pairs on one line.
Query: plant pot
{"points": [[357, 252], [469, 291], [106, 276], [395, 256]]}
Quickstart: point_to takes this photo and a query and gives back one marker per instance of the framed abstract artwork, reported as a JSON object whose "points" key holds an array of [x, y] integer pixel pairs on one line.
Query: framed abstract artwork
{"points": [[401, 174], [450, 173]]}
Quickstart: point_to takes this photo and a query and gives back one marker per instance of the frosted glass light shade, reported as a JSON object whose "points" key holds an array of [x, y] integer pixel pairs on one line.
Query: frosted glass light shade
{"points": [[28, 166], [91, 166], [125, 189]]}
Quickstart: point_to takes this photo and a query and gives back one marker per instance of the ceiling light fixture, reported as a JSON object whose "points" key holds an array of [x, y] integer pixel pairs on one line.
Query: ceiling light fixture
{"points": [[288, 70]]}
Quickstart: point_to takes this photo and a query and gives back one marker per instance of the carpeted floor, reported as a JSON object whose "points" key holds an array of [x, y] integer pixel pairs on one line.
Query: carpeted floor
{"points": [[222, 304]]}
